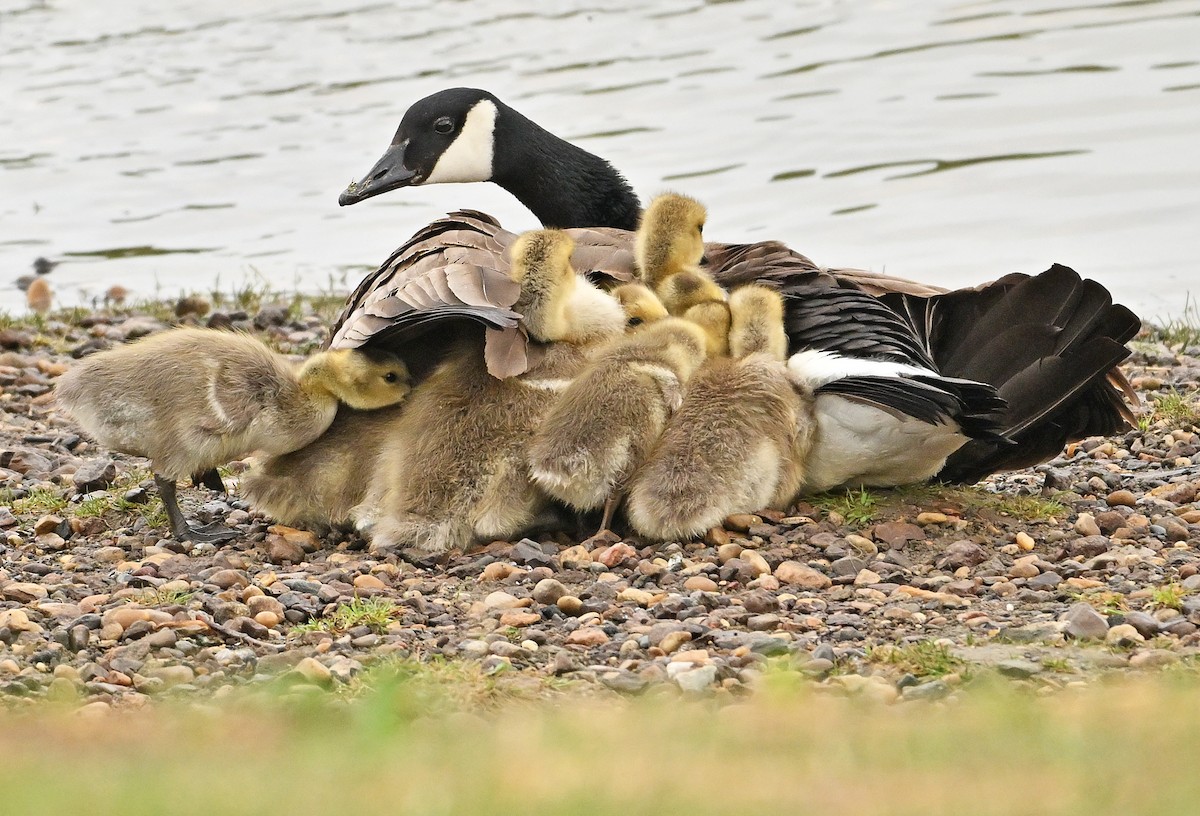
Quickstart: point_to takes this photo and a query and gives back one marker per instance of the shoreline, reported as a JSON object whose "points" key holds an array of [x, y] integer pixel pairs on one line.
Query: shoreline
{"points": [[1054, 576]]}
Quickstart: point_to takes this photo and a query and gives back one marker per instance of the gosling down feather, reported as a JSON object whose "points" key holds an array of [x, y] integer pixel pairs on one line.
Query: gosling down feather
{"points": [[192, 399]]}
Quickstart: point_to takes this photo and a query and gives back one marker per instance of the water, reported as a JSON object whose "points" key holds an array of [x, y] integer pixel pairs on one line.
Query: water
{"points": [[177, 146]]}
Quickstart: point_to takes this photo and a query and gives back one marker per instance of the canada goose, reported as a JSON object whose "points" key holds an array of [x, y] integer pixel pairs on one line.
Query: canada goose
{"points": [[454, 469], [739, 440], [881, 338], [605, 422], [191, 399]]}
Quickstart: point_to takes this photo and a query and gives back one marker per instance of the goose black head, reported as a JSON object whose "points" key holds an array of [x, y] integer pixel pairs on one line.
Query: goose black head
{"points": [[445, 137]]}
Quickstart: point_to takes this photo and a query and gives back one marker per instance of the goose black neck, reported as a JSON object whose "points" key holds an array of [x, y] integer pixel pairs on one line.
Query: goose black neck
{"points": [[563, 185]]}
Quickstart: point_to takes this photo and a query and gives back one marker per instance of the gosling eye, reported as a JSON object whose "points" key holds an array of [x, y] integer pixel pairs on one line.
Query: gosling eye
{"points": [[391, 377], [700, 229], [443, 124], [635, 321]]}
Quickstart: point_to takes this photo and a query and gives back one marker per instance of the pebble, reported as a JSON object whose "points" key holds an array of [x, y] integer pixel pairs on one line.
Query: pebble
{"points": [[549, 591], [588, 636], [700, 583], [1121, 498], [801, 576], [314, 671], [1123, 635], [569, 605], [1086, 525], [1084, 622]]}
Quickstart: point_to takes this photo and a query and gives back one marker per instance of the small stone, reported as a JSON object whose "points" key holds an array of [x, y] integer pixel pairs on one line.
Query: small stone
{"points": [[23, 592], [1146, 625], [802, 576], [716, 537], [569, 605], [314, 671], [282, 551], [497, 571], [1153, 659], [741, 522], [519, 618], [728, 552], [171, 675], [1025, 541], [673, 640], [1123, 635], [47, 524], [1086, 525], [227, 578], [1121, 498], [368, 582], [548, 591], [897, 533], [94, 475], [616, 554], [866, 577], [696, 680], [1019, 669], [268, 619], [1083, 622], [932, 518], [758, 564], [700, 583], [577, 557], [587, 636], [502, 600], [962, 553], [1024, 567], [638, 596]]}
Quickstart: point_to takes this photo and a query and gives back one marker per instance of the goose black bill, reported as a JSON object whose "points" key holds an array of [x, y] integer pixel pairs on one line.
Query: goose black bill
{"points": [[389, 173]]}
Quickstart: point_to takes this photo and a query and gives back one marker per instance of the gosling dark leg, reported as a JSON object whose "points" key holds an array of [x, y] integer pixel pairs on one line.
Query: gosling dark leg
{"points": [[211, 533], [211, 479]]}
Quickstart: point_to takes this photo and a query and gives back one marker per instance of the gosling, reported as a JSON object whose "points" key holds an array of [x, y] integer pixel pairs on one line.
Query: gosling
{"points": [[192, 399], [455, 470], [739, 440], [607, 420], [668, 248]]}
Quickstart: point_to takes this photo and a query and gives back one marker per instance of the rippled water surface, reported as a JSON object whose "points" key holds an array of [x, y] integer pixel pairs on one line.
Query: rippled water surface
{"points": [[166, 146]]}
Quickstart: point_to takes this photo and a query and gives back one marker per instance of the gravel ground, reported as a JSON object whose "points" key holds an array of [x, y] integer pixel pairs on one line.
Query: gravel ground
{"points": [[1053, 577]]}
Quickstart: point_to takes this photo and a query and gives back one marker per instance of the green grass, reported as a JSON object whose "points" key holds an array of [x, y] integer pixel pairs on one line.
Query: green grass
{"points": [[1167, 596], [924, 658], [39, 502], [1180, 332], [374, 612], [163, 597], [857, 507], [1175, 409], [431, 739]]}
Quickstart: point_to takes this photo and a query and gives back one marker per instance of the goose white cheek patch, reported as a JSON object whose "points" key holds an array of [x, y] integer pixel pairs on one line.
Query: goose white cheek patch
{"points": [[469, 157]]}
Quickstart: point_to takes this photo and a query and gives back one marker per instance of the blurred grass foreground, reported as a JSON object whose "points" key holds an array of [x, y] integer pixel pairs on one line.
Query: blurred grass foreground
{"points": [[442, 741]]}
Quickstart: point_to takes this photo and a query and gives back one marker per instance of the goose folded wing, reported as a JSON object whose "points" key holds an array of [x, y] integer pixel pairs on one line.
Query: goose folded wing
{"points": [[454, 269]]}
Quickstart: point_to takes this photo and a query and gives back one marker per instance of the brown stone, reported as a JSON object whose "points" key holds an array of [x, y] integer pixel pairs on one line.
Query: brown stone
{"points": [[518, 618], [897, 533], [801, 576], [587, 636], [1121, 498]]}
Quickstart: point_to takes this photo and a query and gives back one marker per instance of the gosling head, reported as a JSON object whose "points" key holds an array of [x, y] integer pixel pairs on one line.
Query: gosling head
{"points": [[671, 237], [640, 304], [541, 264], [363, 379]]}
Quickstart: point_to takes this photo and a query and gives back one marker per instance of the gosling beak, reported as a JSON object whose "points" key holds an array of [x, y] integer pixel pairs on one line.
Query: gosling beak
{"points": [[387, 174]]}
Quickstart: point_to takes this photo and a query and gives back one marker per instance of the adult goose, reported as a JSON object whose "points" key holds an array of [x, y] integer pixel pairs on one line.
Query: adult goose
{"points": [[896, 366]]}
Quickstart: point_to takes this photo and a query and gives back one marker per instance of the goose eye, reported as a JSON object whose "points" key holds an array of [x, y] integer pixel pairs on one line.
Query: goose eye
{"points": [[391, 377], [443, 124], [635, 321]]}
